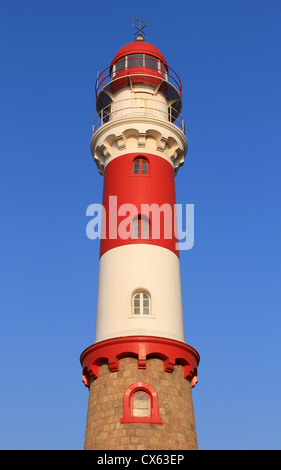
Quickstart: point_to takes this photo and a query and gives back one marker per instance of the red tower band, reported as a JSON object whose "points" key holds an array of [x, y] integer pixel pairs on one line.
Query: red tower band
{"points": [[147, 183]]}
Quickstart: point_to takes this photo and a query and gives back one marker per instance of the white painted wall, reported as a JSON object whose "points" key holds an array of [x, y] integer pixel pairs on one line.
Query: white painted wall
{"points": [[124, 269], [139, 101]]}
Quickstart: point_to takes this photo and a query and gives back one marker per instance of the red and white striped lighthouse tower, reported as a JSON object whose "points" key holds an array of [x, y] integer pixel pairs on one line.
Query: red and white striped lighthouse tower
{"points": [[139, 370]]}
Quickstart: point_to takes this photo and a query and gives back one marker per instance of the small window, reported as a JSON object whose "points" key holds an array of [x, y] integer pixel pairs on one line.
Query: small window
{"points": [[141, 303], [140, 404], [141, 167], [141, 228]]}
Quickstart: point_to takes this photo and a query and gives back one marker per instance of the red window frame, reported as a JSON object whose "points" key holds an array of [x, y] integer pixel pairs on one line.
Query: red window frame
{"points": [[141, 159], [128, 404]]}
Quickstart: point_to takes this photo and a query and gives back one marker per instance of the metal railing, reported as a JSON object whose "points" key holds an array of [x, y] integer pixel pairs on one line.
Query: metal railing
{"points": [[107, 114], [127, 64]]}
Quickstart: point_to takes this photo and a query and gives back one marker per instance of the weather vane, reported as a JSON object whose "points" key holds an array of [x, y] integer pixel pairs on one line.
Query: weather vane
{"points": [[140, 29]]}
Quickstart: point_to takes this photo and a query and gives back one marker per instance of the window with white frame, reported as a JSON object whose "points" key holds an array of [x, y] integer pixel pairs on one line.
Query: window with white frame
{"points": [[141, 303]]}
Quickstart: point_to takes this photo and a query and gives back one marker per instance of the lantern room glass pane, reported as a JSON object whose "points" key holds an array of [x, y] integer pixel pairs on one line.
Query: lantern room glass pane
{"points": [[151, 62], [120, 65], [141, 404], [135, 60]]}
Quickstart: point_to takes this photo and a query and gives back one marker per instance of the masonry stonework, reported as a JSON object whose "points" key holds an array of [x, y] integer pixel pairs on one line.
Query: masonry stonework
{"points": [[104, 431]]}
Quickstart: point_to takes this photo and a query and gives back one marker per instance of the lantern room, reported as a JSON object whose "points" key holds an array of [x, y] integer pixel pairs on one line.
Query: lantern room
{"points": [[138, 70], [141, 62]]}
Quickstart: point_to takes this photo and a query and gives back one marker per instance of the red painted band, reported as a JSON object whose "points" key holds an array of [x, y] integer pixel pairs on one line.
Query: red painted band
{"points": [[157, 188], [112, 350]]}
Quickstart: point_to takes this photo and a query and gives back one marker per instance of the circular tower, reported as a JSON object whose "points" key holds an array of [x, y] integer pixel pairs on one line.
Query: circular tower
{"points": [[139, 371]]}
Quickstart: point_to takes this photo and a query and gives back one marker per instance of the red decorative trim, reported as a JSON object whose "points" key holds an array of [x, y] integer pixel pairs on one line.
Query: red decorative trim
{"points": [[112, 350], [128, 405]]}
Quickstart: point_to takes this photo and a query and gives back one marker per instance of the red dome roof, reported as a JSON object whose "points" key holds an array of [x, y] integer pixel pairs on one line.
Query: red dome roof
{"points": [[139, 47]]}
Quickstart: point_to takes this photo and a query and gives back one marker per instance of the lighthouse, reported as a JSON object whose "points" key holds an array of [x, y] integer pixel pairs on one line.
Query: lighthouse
{"points": [[139, 371]]}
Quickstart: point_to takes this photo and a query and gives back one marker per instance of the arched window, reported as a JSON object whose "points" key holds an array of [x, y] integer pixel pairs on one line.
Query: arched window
{"points": [[141, 303], [141, 227], [140, 404], [141, 166]]}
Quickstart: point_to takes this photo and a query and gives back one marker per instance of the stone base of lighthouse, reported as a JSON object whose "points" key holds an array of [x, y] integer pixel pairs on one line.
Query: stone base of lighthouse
{"points": [[110, 421]]}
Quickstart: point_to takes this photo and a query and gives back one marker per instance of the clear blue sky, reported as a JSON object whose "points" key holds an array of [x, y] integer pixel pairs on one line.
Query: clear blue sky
{"points": [[227, 54]]}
